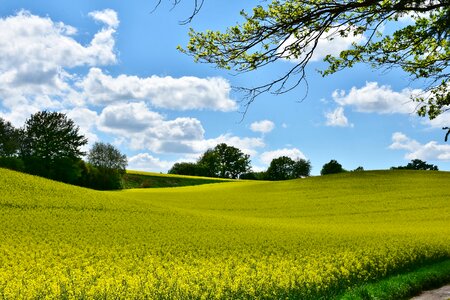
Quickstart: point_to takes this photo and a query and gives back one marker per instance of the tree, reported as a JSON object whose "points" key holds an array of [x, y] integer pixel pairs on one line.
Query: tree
{"points": [[225, 161], [253, 176], [110, 165], [292, 29], [51, 146], [9, 139], [417, 164], [280, 168], [302, 168], [188, 168], [331, 167], [9, 146], [283, 168]]}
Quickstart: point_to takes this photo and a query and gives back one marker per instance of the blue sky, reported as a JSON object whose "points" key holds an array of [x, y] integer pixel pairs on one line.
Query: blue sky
{"points": [[113, 67]]}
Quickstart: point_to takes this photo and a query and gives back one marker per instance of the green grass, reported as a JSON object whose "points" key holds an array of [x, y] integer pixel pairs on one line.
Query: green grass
{"points": [[404, 286], [315, 238], [138, 179]]}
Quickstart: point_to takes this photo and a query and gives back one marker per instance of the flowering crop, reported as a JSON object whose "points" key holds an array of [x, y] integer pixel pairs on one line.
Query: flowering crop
{"points": [[302, 239]]}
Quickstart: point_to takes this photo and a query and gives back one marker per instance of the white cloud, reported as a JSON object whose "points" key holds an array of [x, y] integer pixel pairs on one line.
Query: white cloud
{"points": [[142, 128], [35, 56], [164, 92], [336, 118], [329, 43], [124, 118], [443, 120], [293, 153], [373, 98], [245, 144], [86, 119], [107, 16], [415, 150], [149, 163], [264, 126]]}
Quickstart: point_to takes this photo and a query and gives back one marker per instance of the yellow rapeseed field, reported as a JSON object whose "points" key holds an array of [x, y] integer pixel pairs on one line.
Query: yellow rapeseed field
{"points": [[302, 239]]}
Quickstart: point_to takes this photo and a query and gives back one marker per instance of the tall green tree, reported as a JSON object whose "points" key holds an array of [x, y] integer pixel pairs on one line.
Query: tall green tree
{"points": [[332, 167], [9, 139], [109, 166], [51, 146], [225, 161], [283, 168], [291, 29]]}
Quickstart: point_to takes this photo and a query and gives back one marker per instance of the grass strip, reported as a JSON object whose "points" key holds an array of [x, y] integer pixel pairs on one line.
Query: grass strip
{"points": [[403, 286], [136, 180]]}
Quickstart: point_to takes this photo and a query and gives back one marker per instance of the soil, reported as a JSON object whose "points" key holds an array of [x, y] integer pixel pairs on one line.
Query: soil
{"points": [[442, 293]]}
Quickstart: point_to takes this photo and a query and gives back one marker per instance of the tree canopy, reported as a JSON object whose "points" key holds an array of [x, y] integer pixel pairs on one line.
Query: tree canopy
{"points": [[332, 167], [221, 161], [417, 164], [51, 146], [109, 165], [292, 29], [9, 139], [225, 161], [283, 168]]}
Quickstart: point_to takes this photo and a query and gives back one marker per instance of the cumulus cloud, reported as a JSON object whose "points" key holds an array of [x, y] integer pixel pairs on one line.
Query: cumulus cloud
{"points": [[331, 43], [373, 98], [264, 126], [139, 128], [443, 120], [106, 16], [146, 129], [147, 162], [245, 144], [337, 118], [35, 56], [183, 93], [293, 153], [415, 150], [124, 118]]}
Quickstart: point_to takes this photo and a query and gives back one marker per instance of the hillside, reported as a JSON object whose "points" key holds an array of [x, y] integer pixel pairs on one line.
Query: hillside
{"points": [[139, 179], [302, 239]]}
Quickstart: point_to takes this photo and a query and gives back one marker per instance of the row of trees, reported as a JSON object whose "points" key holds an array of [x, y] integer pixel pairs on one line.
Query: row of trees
{"points": [[225, 161], [49, 145], [222, 161]]}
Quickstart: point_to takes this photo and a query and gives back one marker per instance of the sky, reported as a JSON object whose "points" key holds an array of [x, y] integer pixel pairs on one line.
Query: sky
{"points": [[113, 67]]}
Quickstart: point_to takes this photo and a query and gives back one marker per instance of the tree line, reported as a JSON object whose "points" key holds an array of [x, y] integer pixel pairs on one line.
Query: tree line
{"points": [[49, 145]]}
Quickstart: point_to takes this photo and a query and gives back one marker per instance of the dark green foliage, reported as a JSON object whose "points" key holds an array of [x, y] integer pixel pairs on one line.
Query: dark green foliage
{"points": [[108, 166], [254, 176], [12, 163], [332, 167], [9, 139], [417, 164], [50, 146], [283, 168], [187, 168], [225, 161], [106, 156], [222, 161], [358, 169], [132, 181]]}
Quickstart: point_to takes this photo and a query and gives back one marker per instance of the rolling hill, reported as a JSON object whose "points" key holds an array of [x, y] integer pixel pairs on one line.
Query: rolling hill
{"points": [[348, 236]]}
